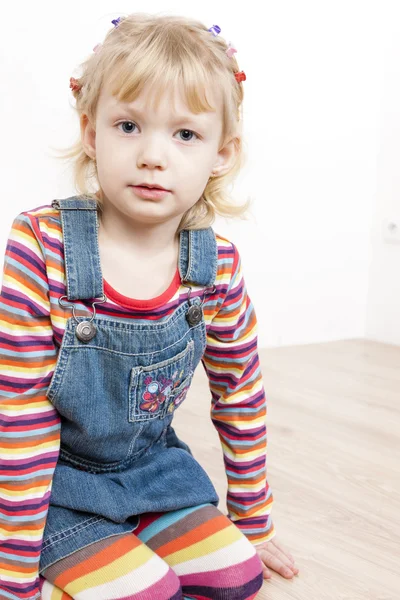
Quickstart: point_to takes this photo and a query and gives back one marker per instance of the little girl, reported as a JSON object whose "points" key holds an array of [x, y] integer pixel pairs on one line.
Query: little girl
{"points": [[110, 299]]}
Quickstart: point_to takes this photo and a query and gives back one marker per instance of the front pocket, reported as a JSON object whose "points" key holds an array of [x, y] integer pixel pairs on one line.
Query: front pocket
{"points": [[152, 387]]}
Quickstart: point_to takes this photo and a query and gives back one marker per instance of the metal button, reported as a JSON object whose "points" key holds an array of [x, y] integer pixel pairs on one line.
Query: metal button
{"points": [[194, 315], [85, 331]]}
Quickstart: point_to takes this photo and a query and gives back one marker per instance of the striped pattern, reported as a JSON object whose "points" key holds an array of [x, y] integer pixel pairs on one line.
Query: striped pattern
{"points": [[196, 551], [32, 324]]}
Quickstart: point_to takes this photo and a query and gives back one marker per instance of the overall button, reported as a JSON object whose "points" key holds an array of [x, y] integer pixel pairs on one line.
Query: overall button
{"points": [[85, 331], [194, 315]]}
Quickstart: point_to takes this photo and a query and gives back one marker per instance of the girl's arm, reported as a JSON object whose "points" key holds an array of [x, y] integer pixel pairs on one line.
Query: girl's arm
{"points": [[238, 405], [29, 424]]}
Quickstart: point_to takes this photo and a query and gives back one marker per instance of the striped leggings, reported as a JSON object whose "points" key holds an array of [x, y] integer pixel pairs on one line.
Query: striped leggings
{"points": [[191, 553]]}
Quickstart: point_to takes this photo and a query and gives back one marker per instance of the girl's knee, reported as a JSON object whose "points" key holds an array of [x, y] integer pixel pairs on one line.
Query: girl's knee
{"points": [[164, 586], [132, 567]]}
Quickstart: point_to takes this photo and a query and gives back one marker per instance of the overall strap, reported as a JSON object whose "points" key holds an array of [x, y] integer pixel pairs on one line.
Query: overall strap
{"points": [[81, 248], [198, 256]]}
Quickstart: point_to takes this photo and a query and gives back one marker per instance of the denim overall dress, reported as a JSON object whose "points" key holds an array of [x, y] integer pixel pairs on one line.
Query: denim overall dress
{"points": [[116, 386]]}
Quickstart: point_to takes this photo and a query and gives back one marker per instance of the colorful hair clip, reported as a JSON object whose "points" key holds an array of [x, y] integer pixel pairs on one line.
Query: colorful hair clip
{"points": [[74, 84], [116, 22], [231, 50], [240, 76], [97, 47], [215, 30]]}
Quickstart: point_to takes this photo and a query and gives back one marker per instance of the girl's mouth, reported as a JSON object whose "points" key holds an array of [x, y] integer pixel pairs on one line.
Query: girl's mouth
{"points": [[151, 193]]}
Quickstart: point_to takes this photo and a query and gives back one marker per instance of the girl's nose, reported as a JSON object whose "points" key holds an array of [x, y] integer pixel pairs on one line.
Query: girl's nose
{"points": [[152, 153]]}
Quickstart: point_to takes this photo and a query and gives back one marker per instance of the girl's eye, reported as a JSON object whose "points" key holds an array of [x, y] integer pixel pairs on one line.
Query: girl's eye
{"points": [[131, 124], [189, 131]]}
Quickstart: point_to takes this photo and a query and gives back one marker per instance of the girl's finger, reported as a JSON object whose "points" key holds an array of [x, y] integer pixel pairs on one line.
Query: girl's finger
{"points": [[275, 564], [280, 554], [266, 573], [275, 559], [283, 549]]}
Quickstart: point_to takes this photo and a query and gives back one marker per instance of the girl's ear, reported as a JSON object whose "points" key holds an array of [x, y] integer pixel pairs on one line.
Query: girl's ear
{"points": [[88, 136], [226, 157]]}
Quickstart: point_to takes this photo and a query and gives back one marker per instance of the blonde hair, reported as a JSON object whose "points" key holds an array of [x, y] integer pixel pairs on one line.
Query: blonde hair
{"points": [[165, 52]]}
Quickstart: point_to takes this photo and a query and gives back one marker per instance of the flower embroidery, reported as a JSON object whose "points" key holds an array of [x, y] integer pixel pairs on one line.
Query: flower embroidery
{"points": [[153, 396], [157, 390], [178, 399], [181, 396]]}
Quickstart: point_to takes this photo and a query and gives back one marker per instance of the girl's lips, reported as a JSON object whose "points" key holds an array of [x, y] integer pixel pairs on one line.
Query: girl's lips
{"points": [[145, 192]]}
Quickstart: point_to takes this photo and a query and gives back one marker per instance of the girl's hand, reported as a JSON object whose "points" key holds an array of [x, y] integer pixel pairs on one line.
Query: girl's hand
{"points": [[277, 558]]}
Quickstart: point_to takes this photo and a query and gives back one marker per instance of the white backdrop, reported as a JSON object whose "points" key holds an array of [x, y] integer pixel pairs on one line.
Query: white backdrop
{"points": [[321, 126]]}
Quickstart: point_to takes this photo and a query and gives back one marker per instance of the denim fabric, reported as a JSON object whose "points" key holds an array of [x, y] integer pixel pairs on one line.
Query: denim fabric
{"points": [[119, 454]]}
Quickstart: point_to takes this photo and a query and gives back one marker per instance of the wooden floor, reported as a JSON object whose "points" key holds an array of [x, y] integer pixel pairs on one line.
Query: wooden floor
{"points": [[333, 465]]}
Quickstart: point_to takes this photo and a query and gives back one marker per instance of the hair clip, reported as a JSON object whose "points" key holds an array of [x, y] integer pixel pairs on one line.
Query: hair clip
{"points": [[97, 47], [215, 30], [231, 50], [74, 84], [116, 22], [240, 76]]}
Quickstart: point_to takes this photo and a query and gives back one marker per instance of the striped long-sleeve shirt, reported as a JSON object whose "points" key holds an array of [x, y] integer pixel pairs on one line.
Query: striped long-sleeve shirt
{"points": [[32, 325]]}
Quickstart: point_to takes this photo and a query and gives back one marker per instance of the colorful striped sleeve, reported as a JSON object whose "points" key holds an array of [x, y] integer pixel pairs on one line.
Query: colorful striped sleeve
{"points": [[29, 424], [238, 404]]}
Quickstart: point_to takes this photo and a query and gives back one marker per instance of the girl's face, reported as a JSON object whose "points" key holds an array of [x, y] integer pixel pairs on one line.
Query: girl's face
{"points": [[173, 148]]}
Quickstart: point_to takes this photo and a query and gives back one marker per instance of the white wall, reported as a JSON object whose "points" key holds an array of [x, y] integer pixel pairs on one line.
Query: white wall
{"points": [[313, 117], [383, 318], [317, 111]]}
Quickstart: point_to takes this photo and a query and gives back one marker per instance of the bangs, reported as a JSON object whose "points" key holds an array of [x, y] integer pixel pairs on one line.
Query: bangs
{"points": [[165, 75]]}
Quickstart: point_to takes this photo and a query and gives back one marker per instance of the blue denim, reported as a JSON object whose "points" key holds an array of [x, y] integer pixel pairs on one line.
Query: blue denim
{"points": [[119, 454]]}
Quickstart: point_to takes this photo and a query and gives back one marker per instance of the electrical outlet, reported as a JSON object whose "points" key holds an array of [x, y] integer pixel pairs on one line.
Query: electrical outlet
{"points": [[391, 230]]}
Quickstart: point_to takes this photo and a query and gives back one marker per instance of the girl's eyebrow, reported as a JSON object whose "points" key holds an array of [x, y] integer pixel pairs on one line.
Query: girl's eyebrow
{"points": [[192, 118]]}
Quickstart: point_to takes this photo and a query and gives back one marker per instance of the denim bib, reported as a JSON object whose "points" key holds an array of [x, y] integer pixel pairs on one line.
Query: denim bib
{"points": [[116, 385]]}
